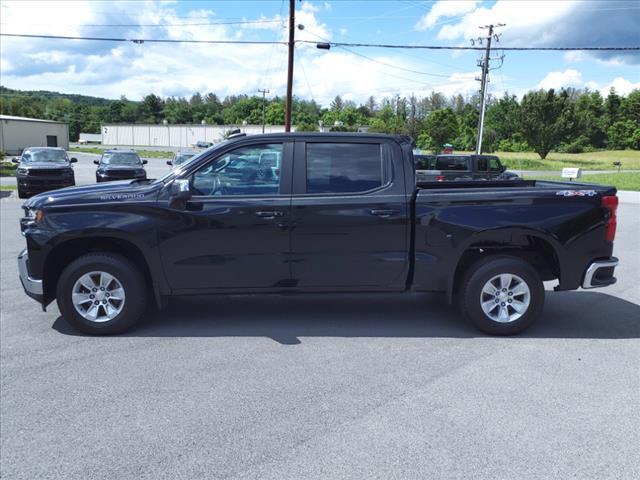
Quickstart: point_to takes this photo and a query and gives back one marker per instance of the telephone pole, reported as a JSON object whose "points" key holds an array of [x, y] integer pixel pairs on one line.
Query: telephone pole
{"points": [[264, 93], [287, 105], [484, 64]]}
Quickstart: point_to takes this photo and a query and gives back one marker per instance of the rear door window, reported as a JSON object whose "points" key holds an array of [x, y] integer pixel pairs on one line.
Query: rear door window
{"points": [[449, 162], [345, 167]]}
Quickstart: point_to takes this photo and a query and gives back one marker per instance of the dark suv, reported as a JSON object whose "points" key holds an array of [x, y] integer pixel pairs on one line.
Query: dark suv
{"points": [[43, 168], [119, 165]]}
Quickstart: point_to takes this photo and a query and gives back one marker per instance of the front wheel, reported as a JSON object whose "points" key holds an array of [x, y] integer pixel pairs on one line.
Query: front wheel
{"points": [[502, 295], [101, 294]]}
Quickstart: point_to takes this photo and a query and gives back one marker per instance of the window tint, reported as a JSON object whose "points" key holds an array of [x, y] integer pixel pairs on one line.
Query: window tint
{"points": [[252, 170], [425, 162], [483, 165], [445, 162], [494, 164], [343, 167]]}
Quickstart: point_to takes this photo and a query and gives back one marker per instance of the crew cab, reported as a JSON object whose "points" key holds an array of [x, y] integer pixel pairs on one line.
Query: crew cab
{"points": [[447, 167], [118, 165], [323, 212], [43, 168]]}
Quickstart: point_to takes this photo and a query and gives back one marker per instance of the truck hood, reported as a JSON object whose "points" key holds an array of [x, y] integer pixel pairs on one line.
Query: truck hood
{"points": [[44, 165], [108, 166], [121, 191]]}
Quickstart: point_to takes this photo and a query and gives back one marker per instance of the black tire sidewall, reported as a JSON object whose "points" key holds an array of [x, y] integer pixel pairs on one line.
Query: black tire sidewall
{"points": [[477, 278], [127, 274]]}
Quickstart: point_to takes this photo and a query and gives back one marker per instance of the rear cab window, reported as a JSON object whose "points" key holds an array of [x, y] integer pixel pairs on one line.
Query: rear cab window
{"points": [[451, 162], [335, 167]]}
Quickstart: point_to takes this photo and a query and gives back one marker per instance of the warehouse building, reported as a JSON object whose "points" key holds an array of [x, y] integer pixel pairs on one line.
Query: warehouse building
{"points": [[175, 136], [18, 133]]}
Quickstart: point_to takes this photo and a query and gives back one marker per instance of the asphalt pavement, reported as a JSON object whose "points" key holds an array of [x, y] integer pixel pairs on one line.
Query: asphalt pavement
{"points": [[323, 387]]}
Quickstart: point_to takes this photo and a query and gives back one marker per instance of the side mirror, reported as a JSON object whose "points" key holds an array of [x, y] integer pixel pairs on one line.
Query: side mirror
{"points": [[144, 162], [169, 162], [73, 160], [97, 162], [15, 160], [179, 193]]}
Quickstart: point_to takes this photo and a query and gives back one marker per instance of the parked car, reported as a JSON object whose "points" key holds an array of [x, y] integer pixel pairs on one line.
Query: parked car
{"points": [[446, 167], [119, 165], [43, 168], [202, 144], [180, 157], [304, 212]]}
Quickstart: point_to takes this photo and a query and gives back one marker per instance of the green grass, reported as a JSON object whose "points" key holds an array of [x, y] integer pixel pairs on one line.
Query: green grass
{"points": [[8, 187], [142, 153], [601, 160], [7, 169], [622, 181]]}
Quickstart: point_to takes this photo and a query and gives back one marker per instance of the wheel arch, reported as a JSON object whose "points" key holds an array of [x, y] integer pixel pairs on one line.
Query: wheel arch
{"points": [[540, 250], [68, 250]]}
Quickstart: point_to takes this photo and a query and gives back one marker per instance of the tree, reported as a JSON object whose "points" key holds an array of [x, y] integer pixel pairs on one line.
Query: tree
{"points": [[440, 127], [546, 119], [337, 104], [151, 109]]}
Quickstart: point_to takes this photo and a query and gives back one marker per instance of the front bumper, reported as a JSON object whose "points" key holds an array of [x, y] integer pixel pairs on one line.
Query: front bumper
{"points": [[32, 286], [43, 184], [600, 273]]}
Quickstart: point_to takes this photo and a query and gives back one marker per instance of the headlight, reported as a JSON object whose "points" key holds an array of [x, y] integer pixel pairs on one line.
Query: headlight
{"points": [[34, 214], [140, 173], [22, 171]]}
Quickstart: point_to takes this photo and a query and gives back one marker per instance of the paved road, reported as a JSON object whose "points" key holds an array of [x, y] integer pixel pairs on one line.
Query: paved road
{"points": [[323, 387]]}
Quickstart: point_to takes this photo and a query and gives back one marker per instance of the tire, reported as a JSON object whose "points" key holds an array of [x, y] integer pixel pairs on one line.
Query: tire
{"points": [[22, 193], [128, 283], [509, 316]]}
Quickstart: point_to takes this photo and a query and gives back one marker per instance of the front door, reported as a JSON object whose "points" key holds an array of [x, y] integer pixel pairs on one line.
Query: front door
{"points": [[234, 233], [350, 217]]}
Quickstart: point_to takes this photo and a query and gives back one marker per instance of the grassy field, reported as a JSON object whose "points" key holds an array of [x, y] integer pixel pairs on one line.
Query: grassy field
{"points": [[142, 153], [8, 187], [7, 169], [622, 181], [602, 160]]}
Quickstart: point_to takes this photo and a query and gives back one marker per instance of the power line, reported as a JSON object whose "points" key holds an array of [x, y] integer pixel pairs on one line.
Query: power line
{"points": [[333, 44], [145, 40], [241, 22]]}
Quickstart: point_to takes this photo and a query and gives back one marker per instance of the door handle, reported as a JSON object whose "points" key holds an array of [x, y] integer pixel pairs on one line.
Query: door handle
{"points": [[384, 213], [269, 214]]}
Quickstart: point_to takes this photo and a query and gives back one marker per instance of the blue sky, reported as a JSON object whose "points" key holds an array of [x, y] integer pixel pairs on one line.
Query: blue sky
{"points": [[114, 69]]}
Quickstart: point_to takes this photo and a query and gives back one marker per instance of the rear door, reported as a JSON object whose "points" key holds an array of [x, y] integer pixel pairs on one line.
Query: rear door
{"points": [[350, 216]]}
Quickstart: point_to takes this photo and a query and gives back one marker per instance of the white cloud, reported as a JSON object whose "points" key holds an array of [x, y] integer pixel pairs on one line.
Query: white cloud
{"points": [[568, 78], [445, 9], [534, 23], [622, 86]]}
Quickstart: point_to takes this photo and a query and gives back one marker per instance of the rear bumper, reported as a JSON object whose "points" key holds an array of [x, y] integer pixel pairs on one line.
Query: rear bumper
{"points": [[32, 286], [600, 273]]}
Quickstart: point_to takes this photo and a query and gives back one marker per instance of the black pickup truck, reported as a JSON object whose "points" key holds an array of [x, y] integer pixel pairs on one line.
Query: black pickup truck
{"points": [[447, 167], [285, 213]]}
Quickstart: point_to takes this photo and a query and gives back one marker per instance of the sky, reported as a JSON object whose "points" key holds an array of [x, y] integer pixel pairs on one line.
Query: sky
{"points": [[113, 69]]}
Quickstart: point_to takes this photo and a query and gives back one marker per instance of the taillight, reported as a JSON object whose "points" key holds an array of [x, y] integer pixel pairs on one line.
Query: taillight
{"points": [[611, 204], [440, 178]]}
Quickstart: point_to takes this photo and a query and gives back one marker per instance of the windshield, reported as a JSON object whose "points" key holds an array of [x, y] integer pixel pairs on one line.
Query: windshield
{"points": [[45, 156], [177, 171], [120, 158], [183, 157]]}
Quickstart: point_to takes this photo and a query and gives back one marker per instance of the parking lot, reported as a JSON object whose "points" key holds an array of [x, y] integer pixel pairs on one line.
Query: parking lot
{"points": [[322, 386]]}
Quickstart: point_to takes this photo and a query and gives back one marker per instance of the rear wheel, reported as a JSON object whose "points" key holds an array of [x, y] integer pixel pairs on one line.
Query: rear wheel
{"points": [[101, 294], [502, 295]]}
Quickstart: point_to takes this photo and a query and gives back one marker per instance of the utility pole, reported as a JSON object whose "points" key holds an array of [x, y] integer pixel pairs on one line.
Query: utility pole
{"points": [[264, 93], [484, 64], [287, 105]]}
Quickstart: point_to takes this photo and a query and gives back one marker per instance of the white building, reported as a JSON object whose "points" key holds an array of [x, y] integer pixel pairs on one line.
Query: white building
{"points": [[174, 135], [18, 133]]}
